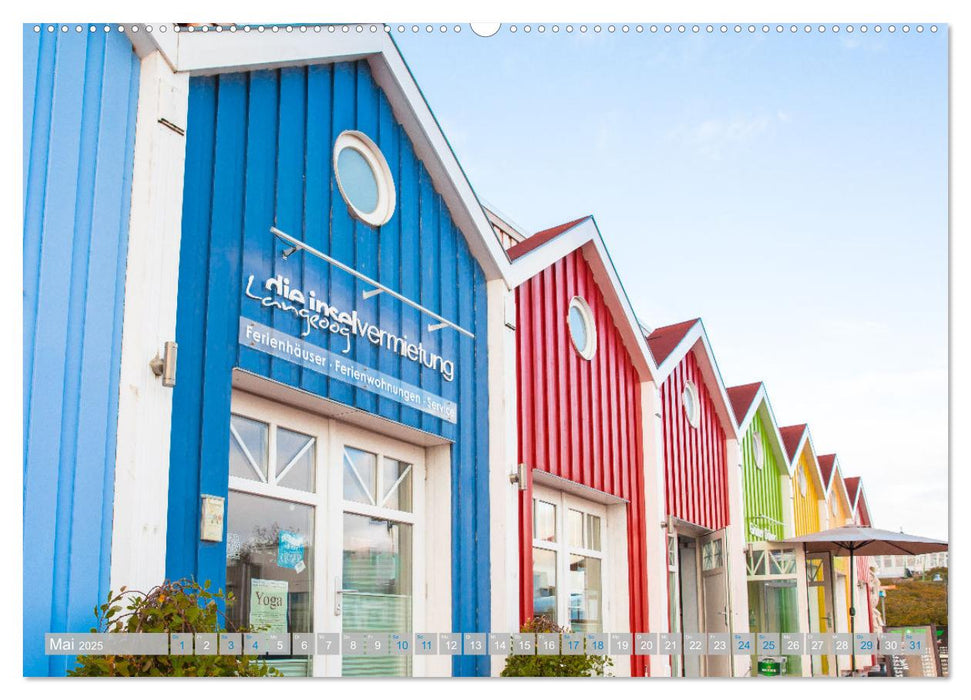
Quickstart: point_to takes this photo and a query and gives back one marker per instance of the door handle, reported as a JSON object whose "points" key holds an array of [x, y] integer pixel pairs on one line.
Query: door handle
{"points": [[339, 596]]}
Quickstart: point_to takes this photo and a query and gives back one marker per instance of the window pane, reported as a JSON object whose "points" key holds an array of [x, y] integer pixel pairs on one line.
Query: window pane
{"points": [[711, 555], [544, 521], [248, 448], [578, 328], [397, 494], [360, 472], [269, 572], [295, 460], [586, 594], [688, 398], [544, 583], [377, 567], [782, 562], [357, 180], [574, 527], [592, 533]]}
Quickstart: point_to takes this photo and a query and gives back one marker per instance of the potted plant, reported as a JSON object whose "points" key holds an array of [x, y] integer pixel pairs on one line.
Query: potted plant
{"points": [[536, 664], [172, 607]]}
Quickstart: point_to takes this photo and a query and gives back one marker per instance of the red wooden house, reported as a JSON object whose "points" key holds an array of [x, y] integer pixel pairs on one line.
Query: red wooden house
{"points": [[702, 496], [582, 363]]}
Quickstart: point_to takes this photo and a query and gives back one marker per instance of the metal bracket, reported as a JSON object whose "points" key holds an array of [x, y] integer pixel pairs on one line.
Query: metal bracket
{"points": [[298, 244], [174, 127], [518, 477]]}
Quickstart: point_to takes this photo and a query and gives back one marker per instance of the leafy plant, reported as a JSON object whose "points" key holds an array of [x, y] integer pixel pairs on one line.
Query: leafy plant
{"points": [[172, 607], [536, 664]]}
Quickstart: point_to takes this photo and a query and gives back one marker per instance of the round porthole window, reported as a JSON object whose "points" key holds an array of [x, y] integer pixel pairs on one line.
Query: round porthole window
{"points": [[757, 450], [689, 399], [364, 178], [583, 332], [802, 481]]}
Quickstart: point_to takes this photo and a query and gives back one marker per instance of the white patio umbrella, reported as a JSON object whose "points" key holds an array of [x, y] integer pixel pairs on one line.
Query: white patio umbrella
{"points": [[854, 541]]}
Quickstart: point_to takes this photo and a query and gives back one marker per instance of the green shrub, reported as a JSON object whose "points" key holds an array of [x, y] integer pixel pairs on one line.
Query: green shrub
{"points": [[176, 606], [536, 664]]}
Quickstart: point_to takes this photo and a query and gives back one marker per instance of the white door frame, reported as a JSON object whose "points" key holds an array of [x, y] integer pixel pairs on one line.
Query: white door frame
{"points": [[565, 501], [329, 507], [726, 614]]}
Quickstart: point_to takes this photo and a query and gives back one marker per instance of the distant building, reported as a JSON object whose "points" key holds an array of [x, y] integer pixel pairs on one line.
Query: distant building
{"points": [[897, 565]]}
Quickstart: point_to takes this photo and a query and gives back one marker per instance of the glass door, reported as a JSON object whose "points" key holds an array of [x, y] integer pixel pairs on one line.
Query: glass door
{"points": [[380, 558], [714, 573], [569, 560], [272, 523], [324, 533]]}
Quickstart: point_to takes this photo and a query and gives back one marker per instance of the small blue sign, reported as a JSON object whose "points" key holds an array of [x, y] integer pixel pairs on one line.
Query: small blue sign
{"points": [[292, 349], [289, 551]]}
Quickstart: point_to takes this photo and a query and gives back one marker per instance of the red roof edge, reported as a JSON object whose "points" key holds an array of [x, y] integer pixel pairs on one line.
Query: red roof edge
{"points": [[826, 463], [662, 341], [852, 486], [537, 239], [741, 398], [791, 435]]}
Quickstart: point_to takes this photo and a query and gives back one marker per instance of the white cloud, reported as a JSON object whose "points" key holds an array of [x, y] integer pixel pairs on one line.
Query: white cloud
{"points": [[711, 138]]}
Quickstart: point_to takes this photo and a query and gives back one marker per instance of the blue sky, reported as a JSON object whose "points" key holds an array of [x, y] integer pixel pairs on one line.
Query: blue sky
{"points": [[789, 189]]}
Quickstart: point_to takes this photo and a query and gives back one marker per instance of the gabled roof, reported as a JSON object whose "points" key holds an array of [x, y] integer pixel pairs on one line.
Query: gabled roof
{"points": [[829, 468], [669, 345], [537, 239], [750, 400], [663, 340], [826, 464], [543, 249], [798, 438], [792, 437], [213, 52], [742, 398], [861, 509]]}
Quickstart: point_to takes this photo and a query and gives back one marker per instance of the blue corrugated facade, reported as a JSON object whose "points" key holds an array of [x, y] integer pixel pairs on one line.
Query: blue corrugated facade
{"points": [[80, 94], [259, 154]]}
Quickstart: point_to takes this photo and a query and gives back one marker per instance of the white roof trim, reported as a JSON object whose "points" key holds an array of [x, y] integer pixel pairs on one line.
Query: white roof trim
{"points": [[207, 53], [807, 441], [502, 222], [861, 495], [694, 338], [761, 405], [832, 478], [585, 236]]}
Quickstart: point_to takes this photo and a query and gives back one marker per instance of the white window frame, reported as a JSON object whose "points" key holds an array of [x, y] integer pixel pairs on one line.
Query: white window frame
{"points": [[565, 502], [362, 144], [329, 507], [590, 327]]}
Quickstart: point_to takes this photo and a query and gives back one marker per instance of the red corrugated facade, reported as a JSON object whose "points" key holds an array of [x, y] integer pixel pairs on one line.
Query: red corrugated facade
{"points": [[695, 473], [579, 419]]}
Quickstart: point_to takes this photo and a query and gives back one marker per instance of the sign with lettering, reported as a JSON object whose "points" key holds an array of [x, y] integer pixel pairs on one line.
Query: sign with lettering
{"points": [[316, 314], [287, 347], [268, 605]]}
